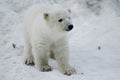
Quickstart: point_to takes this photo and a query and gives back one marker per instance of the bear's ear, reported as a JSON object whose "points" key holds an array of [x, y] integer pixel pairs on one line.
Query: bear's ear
{"points": [[69, 10], [46, 16]]}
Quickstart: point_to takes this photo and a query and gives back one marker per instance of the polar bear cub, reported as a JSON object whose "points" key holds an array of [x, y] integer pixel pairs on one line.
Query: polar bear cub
{"points": [[45, 30]]}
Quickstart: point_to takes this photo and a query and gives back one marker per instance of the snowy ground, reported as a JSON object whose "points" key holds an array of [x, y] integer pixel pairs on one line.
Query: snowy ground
{"points": [[94, 42]]}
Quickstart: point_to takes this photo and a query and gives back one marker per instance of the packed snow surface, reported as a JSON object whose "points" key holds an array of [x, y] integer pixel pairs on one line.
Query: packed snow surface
{"points": [[94, 42]]}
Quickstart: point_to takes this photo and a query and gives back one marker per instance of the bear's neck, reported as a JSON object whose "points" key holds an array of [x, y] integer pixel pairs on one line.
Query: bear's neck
{"points": [[56, 34]]}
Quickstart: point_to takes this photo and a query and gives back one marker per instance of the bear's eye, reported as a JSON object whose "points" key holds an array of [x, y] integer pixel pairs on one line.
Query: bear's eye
{"points": [[60, 20]]}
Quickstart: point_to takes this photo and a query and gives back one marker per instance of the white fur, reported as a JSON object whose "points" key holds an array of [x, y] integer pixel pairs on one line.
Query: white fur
{"points": [[44, 36]]}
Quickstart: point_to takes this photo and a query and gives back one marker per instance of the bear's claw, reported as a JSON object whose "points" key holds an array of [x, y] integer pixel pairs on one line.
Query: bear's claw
{"points": [[29, 63], [46, 68], [69, 71]]}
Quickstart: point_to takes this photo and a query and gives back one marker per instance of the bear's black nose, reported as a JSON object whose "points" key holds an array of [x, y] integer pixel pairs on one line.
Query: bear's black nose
{"points": [[70, 27]]}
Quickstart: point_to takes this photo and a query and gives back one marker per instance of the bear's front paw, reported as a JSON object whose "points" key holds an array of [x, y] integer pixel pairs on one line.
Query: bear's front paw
{"points": [[69, 71], [29, 61], [45, 68]]}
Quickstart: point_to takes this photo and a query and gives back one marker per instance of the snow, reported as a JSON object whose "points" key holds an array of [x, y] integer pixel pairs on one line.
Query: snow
{"points": [[94, 41]]}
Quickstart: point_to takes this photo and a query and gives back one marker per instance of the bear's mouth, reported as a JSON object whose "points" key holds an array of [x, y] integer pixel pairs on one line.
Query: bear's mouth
{"points": [[67, 30]]}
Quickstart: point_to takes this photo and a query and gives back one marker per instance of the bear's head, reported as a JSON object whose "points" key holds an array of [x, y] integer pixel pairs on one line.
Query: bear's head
{"points": [[59, 19]]}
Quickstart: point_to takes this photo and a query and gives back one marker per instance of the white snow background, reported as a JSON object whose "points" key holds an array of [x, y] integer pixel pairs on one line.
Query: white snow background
{"points": [[94, 41]]}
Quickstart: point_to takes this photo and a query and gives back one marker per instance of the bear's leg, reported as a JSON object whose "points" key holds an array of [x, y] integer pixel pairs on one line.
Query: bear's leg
{"points": [[41, 59], [28, 57], [61, 55]]}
